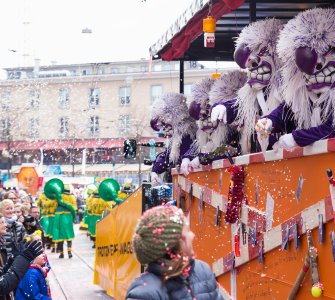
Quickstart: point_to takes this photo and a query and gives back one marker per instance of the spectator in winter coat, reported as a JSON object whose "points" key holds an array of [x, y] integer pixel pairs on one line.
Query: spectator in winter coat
{"points": [[13, 269], [15, 230], [163, 242], [34, 284]]}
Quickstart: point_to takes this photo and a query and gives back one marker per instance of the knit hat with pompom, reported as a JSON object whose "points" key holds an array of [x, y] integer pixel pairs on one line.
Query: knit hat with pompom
{"points": [[157, 233]]}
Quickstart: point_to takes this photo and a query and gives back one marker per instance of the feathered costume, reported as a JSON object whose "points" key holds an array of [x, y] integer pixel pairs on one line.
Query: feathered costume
{"points": [[214, 139], [306, 48], [255, 51], [170, 113]]}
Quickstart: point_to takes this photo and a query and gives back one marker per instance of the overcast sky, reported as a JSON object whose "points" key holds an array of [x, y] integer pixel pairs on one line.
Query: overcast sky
{"points": [[51, 30]]}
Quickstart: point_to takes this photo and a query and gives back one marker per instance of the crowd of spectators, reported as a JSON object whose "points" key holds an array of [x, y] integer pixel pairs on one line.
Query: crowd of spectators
{"points": [[21, 244]]}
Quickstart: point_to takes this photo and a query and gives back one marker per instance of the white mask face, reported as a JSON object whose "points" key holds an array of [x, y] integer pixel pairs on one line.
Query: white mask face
{"points": [[323, 77], [259, 66]]}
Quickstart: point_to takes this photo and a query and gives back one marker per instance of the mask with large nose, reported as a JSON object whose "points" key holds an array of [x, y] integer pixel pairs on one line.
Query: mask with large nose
{"points": [[259, 64], [256, 51], [318, 69]]}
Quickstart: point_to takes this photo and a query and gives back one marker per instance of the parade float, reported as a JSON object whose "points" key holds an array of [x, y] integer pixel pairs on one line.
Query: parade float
{"points": [[264, 221]]}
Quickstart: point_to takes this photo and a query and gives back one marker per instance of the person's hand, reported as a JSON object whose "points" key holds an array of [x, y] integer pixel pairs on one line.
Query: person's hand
{"points": [[195, 163], [184, 166], [32, 250], [263, 127], [219, 113], [155, 178], [286, 142]]}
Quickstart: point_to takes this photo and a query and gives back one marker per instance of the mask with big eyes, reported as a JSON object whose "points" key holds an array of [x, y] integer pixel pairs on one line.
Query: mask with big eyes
{"points": [[202, 114], [318, 70], [159, 125], [258, 63]]}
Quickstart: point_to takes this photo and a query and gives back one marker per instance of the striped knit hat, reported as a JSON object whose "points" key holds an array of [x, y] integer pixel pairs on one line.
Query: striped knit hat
{"points": [[157, 233]]}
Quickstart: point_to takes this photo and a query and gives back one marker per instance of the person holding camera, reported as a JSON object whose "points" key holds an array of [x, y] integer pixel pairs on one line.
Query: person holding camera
{"points": [[12, 269]]}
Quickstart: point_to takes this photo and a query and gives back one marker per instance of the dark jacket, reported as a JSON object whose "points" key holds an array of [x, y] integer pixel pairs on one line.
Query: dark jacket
{"points": [[32, 286], [10, 276], [201, 285], [14, 236]]}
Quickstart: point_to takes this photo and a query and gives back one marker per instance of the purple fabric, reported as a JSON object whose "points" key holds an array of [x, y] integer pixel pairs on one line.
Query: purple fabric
{"points": [[162, 162], [283, 122], [231, 109]]}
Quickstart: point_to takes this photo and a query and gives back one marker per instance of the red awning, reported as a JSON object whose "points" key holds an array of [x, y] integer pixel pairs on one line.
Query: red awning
{"points": [[180, 42]]}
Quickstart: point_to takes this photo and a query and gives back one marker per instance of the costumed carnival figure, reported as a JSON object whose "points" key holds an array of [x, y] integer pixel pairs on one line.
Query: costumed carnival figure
{"points": [[214, 139], [98, 206], [103, 200], [65, 214], [306, 47], [255, 51], [87, 196], [170, 114], [48, 208]]}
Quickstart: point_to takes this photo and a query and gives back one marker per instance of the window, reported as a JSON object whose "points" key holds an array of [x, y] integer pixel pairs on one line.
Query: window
{"points": [[124, 95], [94, 125], [188, 89], [33, 127], [5, 128], [64, 127], [5, 100], [94, 97], [34, 99], [124, 124], [64, 98], [156, 92]]}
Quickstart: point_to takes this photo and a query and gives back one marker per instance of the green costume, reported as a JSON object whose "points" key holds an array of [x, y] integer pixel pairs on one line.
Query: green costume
{"points": [[63, 221], [98, 206], [47, 207]]}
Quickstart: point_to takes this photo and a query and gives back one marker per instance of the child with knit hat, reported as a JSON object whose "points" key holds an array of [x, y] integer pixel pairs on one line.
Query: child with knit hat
{"points": [[163, 242]]}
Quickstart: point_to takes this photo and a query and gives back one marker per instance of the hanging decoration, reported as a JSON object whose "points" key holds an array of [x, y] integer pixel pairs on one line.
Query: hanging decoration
{"points": [[235, 194], [209, 28]]}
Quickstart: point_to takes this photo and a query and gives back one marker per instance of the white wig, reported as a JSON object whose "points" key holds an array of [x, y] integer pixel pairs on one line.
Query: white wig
{"points": [[314, 28], [200, 91], [226, 87], [172, 109], [264, 33], [222, 89]]}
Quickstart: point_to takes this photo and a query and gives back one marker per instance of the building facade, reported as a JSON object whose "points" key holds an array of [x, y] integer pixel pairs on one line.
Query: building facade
{"points": [[58, 111]]}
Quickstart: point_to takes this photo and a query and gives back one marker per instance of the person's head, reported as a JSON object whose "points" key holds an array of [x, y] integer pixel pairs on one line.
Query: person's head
{"points": [[11, 195], [35, 212], [162, 235], [25, 209], [18, 209], [7, 208], [40, 260], [3, 225]]}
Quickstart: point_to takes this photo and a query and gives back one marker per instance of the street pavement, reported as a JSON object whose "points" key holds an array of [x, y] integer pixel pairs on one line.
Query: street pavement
{"points": [[72, 279]]}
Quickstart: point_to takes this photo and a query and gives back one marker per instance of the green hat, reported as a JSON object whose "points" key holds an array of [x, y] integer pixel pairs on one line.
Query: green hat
{"points": [[157, 233]]}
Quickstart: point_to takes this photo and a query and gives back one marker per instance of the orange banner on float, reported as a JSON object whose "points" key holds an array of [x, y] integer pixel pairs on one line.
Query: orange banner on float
{"points": [[115, 264]]}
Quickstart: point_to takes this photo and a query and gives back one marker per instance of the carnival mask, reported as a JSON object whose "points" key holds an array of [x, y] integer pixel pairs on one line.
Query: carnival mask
{"points": [[318, 70], [201, 113], [259, 64], [162, 127]]}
